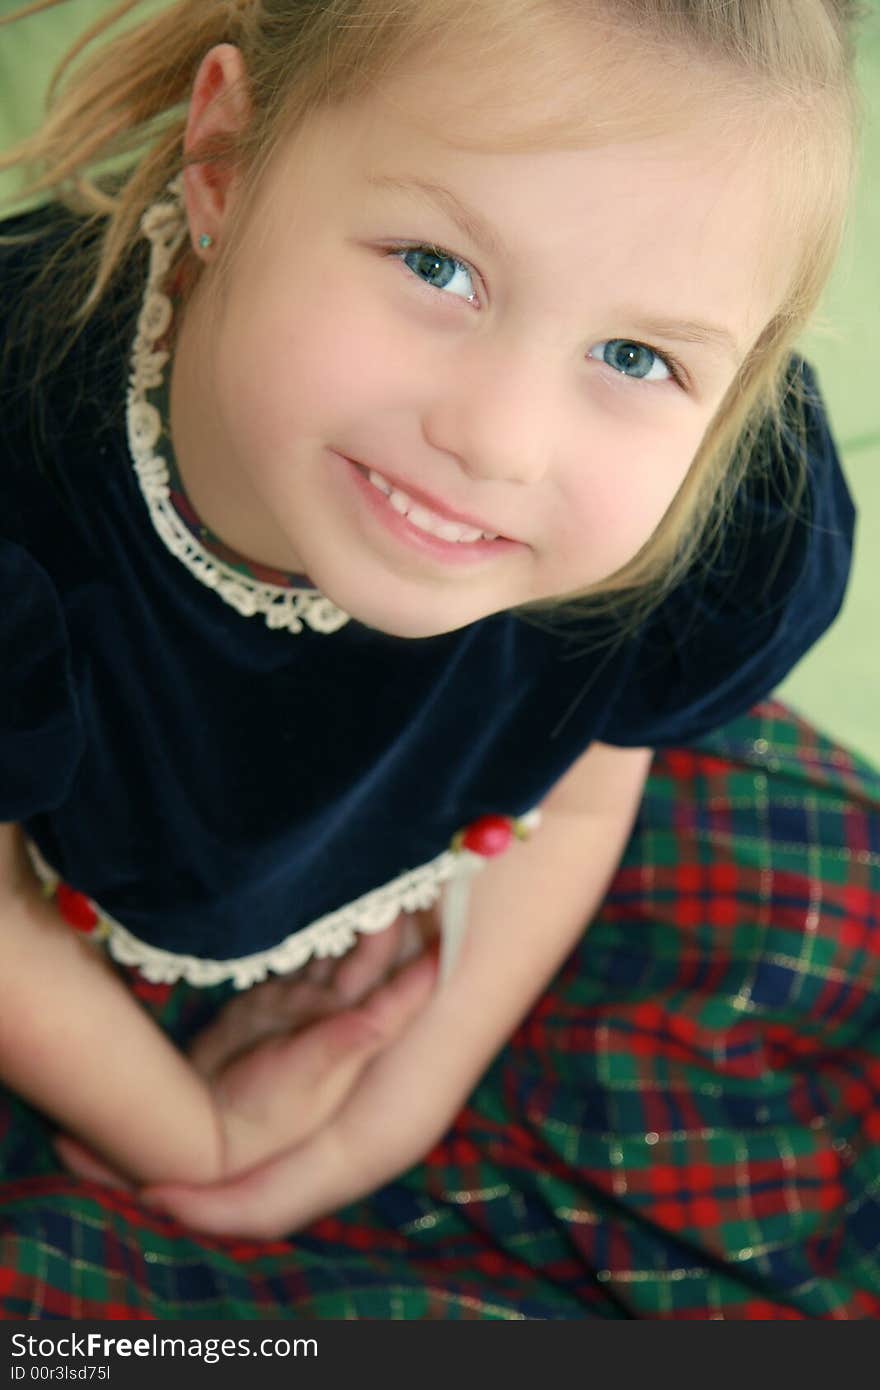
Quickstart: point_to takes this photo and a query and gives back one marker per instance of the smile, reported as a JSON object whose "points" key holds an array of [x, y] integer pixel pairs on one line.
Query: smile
{"points": [[426, 520], [459, 543]]}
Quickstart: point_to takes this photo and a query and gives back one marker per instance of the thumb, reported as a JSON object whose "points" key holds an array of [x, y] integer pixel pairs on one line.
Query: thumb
{"points": [[392, 1005]]}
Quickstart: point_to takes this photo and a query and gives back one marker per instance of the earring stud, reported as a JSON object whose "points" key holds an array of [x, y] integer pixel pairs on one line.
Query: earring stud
{"points": [[206, 241]]}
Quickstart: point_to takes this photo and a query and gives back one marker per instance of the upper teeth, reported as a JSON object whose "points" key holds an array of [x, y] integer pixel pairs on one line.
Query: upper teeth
{"points": [[423, 518]]}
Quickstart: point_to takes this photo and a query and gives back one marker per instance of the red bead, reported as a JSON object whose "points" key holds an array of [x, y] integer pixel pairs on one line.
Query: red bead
{"points": [[488, 836], [75, 908]]}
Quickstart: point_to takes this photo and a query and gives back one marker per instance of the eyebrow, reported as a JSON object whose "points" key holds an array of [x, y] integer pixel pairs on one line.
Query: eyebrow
{"points": [[689, 331], [483, 234], [470, 222]]}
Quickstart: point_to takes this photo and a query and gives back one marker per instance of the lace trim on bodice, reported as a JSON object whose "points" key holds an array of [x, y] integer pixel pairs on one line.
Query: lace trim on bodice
{"points": [[164, 225], [331, 935]]}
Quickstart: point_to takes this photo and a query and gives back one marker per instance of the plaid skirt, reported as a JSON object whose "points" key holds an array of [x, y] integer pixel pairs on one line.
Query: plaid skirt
{"points": [[687, 1125]]}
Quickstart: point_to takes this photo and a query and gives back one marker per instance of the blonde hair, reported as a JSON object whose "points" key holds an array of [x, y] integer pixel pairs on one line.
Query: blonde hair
{"points": [[793, 57]]}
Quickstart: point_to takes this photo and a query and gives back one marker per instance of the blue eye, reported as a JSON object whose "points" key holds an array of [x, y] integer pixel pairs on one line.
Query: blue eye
{"points": [[437, 270], [634, 360]]}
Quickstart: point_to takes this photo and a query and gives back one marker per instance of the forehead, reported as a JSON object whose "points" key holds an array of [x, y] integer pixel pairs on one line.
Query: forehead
{"points": [[569, 82], [612, 158]]}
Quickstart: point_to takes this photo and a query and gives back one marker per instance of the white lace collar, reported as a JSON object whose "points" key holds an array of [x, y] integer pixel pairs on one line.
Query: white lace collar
{"points": [[164, 226]]}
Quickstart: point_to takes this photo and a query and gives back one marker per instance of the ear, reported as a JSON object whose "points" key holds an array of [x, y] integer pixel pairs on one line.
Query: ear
{"points": [[219, 106]]}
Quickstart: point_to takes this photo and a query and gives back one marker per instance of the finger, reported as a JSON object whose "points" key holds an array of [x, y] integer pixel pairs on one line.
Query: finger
{"points": [[244, 1023], [283, 1092], [369, 962], [368, 1026], [420, 930], [320, 969], [427, 921], [269, 1202], [292, 1001], [290, 1084], [82, 1163], [394, 1004], [233, 1208]]}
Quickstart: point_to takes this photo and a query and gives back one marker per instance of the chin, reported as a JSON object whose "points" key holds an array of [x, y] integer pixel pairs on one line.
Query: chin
{"points": [[406, 625], [395, 619]]}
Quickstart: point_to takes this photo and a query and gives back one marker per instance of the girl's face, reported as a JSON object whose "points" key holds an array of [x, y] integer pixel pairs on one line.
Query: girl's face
{"points": [[418, 342]]}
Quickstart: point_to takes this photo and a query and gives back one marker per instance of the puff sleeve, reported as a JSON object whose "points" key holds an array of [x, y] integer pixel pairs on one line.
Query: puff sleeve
{"points": [[723, 641], [40, 733]]}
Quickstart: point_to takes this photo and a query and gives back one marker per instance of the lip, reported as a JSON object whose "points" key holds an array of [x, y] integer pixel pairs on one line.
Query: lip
{"points": [[453, 554], [432, 503]]}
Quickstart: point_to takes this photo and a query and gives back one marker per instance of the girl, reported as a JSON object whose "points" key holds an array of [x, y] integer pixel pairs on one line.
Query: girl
{"points": [[423, 448]]}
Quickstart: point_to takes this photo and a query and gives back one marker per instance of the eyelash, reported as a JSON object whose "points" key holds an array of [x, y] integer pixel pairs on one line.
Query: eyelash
{"points": [[403, 248], [400, 249]]}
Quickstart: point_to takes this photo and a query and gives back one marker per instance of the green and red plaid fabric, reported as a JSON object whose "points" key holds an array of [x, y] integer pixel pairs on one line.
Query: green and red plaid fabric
{"points": [[686, 1126]]}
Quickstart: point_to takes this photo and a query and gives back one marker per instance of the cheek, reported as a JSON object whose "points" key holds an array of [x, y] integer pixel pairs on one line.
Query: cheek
{"points": [[306, 358], [623, 487]]}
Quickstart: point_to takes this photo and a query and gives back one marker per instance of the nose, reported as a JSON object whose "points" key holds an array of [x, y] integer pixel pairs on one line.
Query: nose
{"points": [[496, 411]]}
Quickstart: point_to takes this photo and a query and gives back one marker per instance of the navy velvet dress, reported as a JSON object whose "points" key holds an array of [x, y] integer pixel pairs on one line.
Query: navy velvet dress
{"points": [[237, 782]]}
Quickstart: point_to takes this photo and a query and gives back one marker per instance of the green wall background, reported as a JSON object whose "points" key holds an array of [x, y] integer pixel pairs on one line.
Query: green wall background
{"points": [[837, 685]]}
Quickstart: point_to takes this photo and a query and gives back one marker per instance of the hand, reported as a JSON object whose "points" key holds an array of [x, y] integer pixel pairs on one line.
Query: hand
{"points": [[385, 1122], [83, 1163], [321, 987], [308, 1027], [280, 1092]]}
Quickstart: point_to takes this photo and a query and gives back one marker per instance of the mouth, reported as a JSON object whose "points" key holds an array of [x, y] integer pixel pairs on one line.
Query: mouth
{"points": [[425, 518], [409, 517]]}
